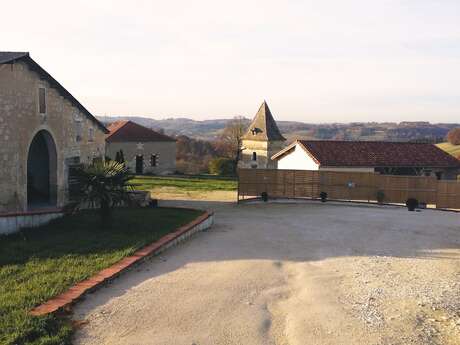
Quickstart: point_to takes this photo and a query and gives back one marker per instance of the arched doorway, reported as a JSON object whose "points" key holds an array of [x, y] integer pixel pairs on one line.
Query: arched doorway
{"points": [[42, 171]]}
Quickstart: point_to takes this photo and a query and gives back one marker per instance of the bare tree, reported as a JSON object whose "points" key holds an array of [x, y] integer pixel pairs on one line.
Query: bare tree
{"points": [[453, 136], [230, 139]]}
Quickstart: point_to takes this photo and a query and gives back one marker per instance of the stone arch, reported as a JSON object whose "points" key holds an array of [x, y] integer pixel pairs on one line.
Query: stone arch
{"points": [[42, 171]]}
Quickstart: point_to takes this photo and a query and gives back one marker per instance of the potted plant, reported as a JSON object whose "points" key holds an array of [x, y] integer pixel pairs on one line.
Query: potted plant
{"points": [[264, 196], [323, 196], [380, 196], [411, 204]]}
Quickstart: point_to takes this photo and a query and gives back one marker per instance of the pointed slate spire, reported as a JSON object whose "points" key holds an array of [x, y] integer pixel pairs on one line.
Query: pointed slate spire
{"points": [[263, 127]]}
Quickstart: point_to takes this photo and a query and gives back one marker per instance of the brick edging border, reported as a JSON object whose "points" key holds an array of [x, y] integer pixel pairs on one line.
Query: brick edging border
{"points": [[67, 298]]}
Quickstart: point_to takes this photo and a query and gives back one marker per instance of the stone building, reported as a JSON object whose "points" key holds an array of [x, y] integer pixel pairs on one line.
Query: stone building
{"points": [[44, 131], [261, 141], [143, 150]]}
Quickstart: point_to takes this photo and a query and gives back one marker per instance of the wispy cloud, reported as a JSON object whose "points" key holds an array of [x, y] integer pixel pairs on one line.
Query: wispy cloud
{"points": [[328, 60]]}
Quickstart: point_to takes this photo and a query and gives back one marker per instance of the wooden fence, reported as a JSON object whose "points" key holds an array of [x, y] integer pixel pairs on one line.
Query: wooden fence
{"points": [[354, 186]]}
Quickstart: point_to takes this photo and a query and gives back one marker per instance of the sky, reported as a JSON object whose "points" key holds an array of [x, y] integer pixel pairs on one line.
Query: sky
{"points": [[313, 61]]}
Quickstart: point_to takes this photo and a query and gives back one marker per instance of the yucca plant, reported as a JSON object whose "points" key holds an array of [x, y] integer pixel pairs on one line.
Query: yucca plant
{"points": [[104, 185]]}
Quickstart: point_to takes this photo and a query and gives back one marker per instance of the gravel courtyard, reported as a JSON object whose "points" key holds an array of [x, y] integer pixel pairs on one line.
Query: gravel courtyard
{"points": [[291, 274]]}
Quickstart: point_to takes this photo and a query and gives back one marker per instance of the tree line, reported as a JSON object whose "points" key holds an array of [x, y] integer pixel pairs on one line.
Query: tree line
{"points": [[219, 156]]}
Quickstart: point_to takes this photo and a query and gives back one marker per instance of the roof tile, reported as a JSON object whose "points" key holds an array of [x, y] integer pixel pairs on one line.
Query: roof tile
{"points": [[263, 127], [122, 131], [376, 154], [6, 57]]}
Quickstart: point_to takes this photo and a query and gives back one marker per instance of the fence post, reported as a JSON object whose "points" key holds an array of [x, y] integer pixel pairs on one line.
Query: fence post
{"points": [[294, 184], [238, 190], [284, 183]]}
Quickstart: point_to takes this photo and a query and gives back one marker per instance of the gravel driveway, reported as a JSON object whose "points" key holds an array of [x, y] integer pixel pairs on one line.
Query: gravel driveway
{"points": [[291, 274]]}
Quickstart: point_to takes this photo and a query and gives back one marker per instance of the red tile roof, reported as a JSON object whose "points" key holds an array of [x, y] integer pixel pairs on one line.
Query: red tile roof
{"points": [[121, 131], [374, 154]]}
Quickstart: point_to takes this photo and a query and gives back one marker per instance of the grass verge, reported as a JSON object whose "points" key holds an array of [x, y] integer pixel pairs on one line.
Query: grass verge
{"points": [[188, 183], [37, 264]]}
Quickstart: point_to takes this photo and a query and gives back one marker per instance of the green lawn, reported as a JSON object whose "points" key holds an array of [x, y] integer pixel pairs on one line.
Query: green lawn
{"points": [[37, 264], [186, 183], [454, 150]]}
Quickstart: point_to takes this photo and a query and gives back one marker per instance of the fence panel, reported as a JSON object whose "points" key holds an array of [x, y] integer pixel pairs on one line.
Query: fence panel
{"points": [[348, 186], [398, 189], [448, 195], [307, 183]]}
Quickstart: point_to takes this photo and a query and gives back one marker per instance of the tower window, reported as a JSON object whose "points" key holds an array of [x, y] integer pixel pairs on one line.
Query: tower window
{"points": [[42, 100], [254, 156]]}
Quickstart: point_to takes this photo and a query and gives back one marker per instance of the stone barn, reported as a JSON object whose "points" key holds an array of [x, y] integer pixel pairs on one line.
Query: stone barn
{"points": [[143, 150], [44, 132]]}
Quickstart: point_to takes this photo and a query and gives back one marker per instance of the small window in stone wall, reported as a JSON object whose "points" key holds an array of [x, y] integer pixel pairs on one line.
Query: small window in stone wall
{"points": [[78, 131], [254, 156], [153, 160], [42, 100], [91, 134]]}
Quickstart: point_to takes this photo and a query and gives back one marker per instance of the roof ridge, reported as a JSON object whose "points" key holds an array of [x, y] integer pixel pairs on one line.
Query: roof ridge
{"points": [[365, 141], [128, 130], [339, 153], [9, 57]]}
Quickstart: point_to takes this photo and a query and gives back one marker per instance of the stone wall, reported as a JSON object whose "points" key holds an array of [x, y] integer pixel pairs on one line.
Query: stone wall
{"points": [[20, 121], [264, 150], [165, 151], [12, 223]]}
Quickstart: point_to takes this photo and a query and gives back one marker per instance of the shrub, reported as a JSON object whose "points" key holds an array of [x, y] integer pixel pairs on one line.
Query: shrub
{"points": [[120, 157], [453, 136], [104, 185], [222, 166], [411, 204], [380, 196], [323, 196]]}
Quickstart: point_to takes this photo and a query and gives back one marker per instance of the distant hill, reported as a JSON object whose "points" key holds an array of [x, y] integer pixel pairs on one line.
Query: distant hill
{"points": [[207, 129], [387, 131], [454, 150]]}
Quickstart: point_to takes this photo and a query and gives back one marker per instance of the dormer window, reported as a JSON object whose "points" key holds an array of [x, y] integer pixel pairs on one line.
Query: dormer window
{"points": [[256, 130], [42, 100]]}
